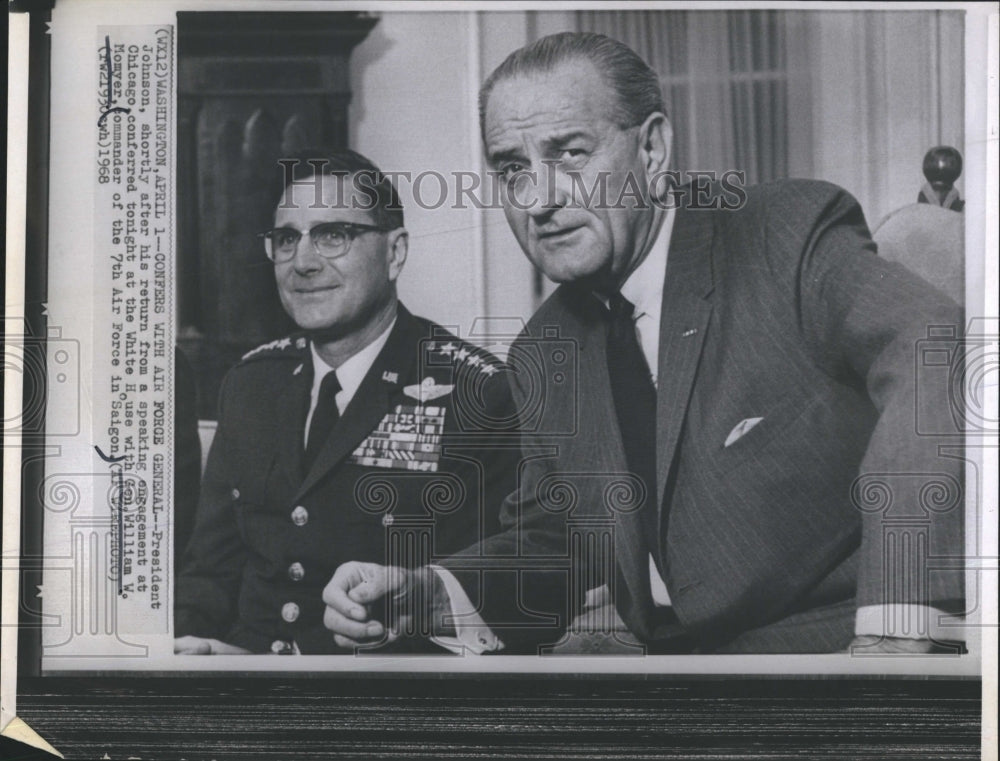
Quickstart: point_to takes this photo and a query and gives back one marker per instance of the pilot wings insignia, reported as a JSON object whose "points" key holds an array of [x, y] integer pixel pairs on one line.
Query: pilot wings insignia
{"points": [[428, 389]]}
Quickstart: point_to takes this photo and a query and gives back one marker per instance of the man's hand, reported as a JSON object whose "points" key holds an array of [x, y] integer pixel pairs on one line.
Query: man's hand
{"points": [[203, 646], [351, 595]]}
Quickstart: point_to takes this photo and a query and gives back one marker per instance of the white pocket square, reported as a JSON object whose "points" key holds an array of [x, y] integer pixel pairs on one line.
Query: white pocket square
{"points": [[741, 430]]}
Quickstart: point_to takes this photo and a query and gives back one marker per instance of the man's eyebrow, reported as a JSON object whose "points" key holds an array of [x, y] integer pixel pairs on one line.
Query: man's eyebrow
{"points": [[561, 138], [502, 154], [556, 140]]}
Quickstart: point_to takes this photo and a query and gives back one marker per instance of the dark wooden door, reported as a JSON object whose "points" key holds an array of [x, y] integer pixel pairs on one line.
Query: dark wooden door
{"points": [[252, 88]]}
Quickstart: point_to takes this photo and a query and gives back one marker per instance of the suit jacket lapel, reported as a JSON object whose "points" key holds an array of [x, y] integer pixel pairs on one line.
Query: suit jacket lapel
{"points": [[290, 419], [684, 319], [371, 401]]}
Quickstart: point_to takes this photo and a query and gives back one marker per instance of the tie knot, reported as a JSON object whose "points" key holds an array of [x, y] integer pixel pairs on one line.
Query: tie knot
{"points": [[621, 308], [330, 385]]}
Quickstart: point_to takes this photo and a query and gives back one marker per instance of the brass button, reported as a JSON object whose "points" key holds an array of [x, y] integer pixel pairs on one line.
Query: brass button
{"points": [[300, 516], [388, 520], [235, 493], [296, 571], [280, 647], [290, 612]]}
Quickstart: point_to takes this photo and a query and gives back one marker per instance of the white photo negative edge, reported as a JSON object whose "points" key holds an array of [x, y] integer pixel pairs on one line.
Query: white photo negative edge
{"points": [[99, 628]]}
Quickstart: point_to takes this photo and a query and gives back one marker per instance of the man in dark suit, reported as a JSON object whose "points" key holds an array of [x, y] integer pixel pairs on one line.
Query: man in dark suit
{"points": [[371, 434], [746, 390]]}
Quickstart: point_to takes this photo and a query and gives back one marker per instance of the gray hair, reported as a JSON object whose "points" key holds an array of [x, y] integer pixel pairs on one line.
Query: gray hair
{"points": [[635, 84]]}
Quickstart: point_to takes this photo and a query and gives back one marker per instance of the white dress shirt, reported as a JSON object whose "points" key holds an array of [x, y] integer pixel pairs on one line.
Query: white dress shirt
{"points": [[644, 289]]}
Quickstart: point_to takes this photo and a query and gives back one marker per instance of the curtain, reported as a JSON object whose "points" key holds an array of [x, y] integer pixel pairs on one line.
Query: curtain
{"points": [[853, 97], [887, 87], [725, 77]]}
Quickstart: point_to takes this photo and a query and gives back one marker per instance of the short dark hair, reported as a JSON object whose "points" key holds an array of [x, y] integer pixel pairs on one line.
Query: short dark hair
{"points": [[387, 209], [635, 84]]}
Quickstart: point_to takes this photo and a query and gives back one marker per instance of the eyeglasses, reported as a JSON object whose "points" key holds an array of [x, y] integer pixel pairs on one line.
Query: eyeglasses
{"points": [[331, 240]]}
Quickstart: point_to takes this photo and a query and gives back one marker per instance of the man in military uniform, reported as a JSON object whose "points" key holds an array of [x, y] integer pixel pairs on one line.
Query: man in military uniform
{"points": [[371, 434]]}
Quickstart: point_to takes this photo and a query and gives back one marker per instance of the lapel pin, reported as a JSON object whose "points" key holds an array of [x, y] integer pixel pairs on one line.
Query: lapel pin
{"points": [[689, 332], [297, 370], [390, 377]]}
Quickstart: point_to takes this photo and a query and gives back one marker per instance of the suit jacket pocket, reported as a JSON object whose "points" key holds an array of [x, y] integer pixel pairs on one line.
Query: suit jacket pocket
{"points": [[777, 421]]}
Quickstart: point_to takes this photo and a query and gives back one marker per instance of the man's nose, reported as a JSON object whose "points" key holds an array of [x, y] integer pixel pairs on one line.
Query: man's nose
{"points": [[306, 259], [545, 191]]}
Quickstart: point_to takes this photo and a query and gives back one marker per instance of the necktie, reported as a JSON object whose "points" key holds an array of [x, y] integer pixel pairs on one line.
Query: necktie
{"points": [[635, 403], [324, 418]]}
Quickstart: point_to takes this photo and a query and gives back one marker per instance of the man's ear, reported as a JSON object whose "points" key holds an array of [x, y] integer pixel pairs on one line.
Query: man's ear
{"points": [[655, 142], [397, 246]]}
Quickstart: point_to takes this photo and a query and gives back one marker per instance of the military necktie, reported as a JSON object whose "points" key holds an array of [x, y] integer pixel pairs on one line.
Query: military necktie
{"points": [[635, 403], [324, 418]]}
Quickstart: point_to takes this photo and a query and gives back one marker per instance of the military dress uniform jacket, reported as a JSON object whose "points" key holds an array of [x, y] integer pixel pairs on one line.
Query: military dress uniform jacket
{"points": [[414, 470], [779, 321]]}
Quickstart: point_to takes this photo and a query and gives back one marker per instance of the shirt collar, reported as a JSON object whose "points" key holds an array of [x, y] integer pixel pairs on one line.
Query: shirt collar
{"points": [[644, 287], [352, 371]]}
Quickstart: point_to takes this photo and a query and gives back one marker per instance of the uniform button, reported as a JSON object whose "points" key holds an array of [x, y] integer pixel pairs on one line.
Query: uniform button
{"points": [[280, 647], [300, 516], [296, 571], [388, 520], [235, 493], [290, 611]]}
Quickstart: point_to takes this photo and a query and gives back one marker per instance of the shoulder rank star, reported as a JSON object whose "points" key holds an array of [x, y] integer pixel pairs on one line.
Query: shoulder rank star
{"points": [[277, 345], [428, 389]]}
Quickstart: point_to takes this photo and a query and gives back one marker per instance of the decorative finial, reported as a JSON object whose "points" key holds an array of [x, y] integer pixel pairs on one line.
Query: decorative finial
{"points": [[942, 166]]}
